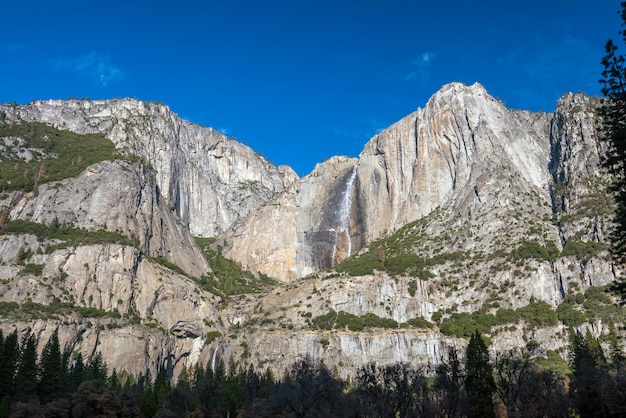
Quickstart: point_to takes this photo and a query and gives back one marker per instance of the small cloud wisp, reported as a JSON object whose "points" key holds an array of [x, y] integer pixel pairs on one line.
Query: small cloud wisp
{"points": [[419, 67], [93, 66]]}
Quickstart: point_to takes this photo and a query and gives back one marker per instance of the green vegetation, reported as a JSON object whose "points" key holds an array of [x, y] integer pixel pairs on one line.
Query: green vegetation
{"points": [[68, 235], [343, 320], [463, 324], [534, 250], [57, 155], [480, 383], [555, 363], [583, 250], [227, 277], [396, 254], [594, 304], [404, 264], [169, 265], [361, 265], [34, 269], [31, 310], [212, 336], [570, 315], [419, 322], [612, 112]]}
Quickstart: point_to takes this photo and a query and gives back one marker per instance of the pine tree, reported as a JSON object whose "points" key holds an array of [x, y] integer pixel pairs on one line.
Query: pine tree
{"points": [[587, 375], [8, 363], [96, 369], [51, 384], [613, 115], [27, 372], [616, 351], [479, 381], [76, 373]]}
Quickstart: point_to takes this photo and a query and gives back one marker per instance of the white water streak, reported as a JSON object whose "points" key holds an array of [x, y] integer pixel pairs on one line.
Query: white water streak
{"points": [[213, 360], [345, 210]]}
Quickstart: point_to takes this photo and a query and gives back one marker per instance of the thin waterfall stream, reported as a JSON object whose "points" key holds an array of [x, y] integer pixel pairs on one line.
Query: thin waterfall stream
{"points": [[344, 214]]}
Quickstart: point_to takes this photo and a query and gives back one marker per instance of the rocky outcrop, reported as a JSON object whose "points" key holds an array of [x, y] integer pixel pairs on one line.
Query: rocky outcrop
{"points": [[104, 296], [115, 196], [140, 313], [453, 152], [312, 226], [208, 179]]}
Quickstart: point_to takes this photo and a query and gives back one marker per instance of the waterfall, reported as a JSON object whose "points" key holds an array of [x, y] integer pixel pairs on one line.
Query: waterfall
{"points": [[344, 214], [213, 359]]}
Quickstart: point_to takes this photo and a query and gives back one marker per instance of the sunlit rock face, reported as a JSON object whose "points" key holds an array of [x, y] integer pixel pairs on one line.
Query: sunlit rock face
{"points": [[209, 179], [464, 179], [313, 225], [464, 151], [462, 141]]}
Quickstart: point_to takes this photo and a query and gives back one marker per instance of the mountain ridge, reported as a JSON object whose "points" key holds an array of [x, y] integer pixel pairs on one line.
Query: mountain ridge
{"points": [[462, 211]]}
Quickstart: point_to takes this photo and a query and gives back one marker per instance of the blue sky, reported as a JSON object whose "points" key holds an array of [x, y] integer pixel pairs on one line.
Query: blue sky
{"points": [[302, 80]]}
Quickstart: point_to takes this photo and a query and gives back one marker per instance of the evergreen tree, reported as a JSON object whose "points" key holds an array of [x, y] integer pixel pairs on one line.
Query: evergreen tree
{"points": [[9, 354], [616, 351], [615, 393], [51, 384], [27, 372], [586, 386], [76, 373], [114, 382], [479, 381], [613, 114], [96, 369], [149, 402]]}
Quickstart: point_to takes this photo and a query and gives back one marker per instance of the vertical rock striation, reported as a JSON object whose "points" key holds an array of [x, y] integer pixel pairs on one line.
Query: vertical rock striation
{"points": [[209, 179]]}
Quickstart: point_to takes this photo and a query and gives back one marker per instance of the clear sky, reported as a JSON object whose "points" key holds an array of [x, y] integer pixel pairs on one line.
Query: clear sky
{"points": [[302, 80]]}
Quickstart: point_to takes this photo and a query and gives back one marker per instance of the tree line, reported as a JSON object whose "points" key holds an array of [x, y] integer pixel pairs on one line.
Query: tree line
{"points": [[469, 384]]}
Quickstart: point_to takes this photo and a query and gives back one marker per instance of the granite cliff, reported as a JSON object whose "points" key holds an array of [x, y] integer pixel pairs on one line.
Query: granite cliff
{"points": [[462, 213]]}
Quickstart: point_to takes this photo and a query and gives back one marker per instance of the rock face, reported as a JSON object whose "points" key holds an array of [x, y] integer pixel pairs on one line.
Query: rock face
{"points": [[209, 179], [121, 197], [313, 225], [452, 152], [122, 284], [498, 208], [465, 152]]}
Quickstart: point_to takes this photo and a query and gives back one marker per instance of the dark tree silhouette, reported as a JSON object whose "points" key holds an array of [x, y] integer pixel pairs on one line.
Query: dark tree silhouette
{"points": [[308, 390], [395, 390], [51, 382], [479, 381], [588, 379], [27, 371], [9, 354], [613, 116], [76, 373], [449, 387]]}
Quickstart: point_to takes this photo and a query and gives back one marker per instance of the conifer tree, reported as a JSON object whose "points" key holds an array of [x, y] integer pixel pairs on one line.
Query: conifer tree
{"points": [[587, 375], [76, 373], [51, 384], [8, 362], [27, 372], [613, 115], [479, 381], [96, 369], [616, 351]]}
